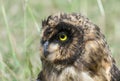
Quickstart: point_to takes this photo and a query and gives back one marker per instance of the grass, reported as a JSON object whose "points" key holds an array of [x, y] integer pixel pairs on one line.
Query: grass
{"points": [[20, 26]]}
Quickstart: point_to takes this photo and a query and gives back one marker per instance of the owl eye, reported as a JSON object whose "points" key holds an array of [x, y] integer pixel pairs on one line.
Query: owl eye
{"points": [[63, 37]]}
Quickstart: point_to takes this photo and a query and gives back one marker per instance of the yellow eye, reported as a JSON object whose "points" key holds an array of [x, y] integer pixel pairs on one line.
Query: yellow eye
{"points": [[63, 37]]}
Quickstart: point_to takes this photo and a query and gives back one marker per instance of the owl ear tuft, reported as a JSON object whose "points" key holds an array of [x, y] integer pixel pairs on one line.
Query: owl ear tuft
{"points": [[43, 23]]}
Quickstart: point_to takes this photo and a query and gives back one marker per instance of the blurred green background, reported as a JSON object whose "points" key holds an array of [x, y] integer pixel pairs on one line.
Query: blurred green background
{"points": [[20, 24]]}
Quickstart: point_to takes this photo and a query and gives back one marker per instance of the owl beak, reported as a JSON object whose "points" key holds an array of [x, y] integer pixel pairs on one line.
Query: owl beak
{"points": [[46, 48]]}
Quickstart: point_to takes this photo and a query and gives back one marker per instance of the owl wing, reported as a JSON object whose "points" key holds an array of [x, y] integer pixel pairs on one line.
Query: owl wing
{"points": [[40, 77], [115, 73]]}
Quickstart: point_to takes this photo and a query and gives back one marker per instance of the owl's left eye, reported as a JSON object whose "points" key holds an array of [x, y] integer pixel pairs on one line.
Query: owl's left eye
{"points": [[63, 37]]}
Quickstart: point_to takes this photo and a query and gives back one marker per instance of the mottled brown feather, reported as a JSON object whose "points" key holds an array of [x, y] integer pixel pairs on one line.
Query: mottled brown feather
{"points": [[84, 57]]}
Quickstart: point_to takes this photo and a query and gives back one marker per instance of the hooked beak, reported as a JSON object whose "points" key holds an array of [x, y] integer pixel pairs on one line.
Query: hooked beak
{"points": [[46, 48]]}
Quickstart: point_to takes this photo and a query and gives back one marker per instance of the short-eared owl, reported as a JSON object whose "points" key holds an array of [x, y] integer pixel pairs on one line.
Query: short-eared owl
{"points": [[74, 49]]}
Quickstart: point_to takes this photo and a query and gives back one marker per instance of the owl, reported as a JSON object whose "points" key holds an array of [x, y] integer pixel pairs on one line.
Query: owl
{"points": [[74, 49]]}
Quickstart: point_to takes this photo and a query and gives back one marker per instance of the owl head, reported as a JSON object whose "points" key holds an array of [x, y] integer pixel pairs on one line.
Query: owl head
{"points": [[64, 37]]}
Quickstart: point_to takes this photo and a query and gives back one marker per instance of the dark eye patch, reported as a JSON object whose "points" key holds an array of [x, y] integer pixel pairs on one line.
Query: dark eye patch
{"points": [[55, 38], [62, 27]]}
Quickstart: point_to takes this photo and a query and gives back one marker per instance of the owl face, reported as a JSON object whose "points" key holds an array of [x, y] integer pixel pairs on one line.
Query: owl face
{"points": [[61, 42]]}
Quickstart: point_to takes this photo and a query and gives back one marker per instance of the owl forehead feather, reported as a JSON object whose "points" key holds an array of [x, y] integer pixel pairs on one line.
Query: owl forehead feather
{"points": [[74, 19]]}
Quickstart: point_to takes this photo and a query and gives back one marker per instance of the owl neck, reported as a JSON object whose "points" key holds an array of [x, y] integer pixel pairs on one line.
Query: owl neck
{"points": [[46, 65]]}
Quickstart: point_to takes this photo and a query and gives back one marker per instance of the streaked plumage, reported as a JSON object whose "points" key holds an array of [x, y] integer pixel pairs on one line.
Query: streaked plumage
{"points": [[74, 49]]}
